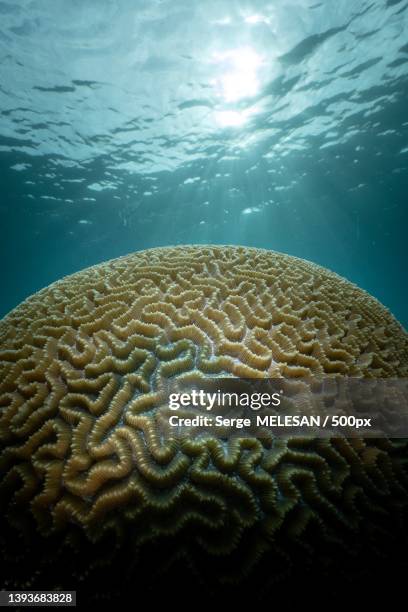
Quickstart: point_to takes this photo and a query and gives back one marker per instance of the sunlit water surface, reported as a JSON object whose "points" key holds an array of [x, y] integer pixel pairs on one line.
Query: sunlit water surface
{"points": [[131, 124]]}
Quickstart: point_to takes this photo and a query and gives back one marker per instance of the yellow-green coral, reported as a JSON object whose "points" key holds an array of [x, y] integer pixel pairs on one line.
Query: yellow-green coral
{"points": [[81, 363]]}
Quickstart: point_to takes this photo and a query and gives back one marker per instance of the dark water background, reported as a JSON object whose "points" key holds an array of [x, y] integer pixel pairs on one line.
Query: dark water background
{"points": [[130, 124]]}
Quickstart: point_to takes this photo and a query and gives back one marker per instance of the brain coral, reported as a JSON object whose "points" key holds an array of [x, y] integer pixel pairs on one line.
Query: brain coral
{"points": [[80, 363]]}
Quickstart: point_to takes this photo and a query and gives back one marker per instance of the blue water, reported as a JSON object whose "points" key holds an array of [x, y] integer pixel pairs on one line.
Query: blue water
{"points": [[131, 124]]}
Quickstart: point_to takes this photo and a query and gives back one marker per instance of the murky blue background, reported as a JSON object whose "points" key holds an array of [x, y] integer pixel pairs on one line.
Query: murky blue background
{"points": [[129, 124]]}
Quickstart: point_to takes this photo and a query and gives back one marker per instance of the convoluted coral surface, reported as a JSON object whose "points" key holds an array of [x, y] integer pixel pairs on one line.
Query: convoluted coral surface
{"points": [[81, 363]]}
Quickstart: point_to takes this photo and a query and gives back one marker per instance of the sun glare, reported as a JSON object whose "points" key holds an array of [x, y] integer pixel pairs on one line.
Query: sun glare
{"points": [[238, 78]]}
